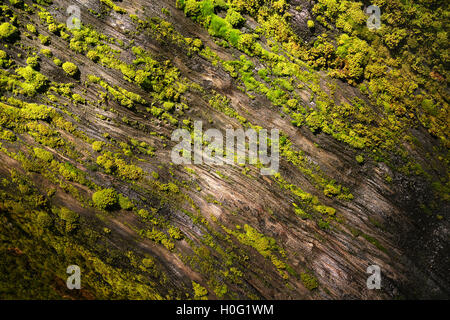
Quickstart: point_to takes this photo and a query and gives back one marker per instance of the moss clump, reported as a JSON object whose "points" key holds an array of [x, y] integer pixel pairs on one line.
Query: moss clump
{"points": [[70, 68], [35, 81], [57, 62], [45, 40], [113, 6], [125, 203], [113, 164], [310, 24], [98, 146], [47, 52], [200, 292], [78, 98], [309, 281], [43, 219], [360, 159], [31, 29], [325, 210], [192, 8], [175, 233], [33, 62], [105, 199], [7, 135], [43, 155], [8, 31], [234, 18], [4, 61], [331, 190]]}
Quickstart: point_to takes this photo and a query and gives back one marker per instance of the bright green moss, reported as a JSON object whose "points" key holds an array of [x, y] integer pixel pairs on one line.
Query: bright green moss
{"points": [[175, 233], [125, 203], [113, 164], [192, 8], [53, 28], [105, 199], [43, 155], [35, 81], [332, 190], [98, 146], [57, 62], [310, 24], [360, 159], [219, 27], [168, 106], [31, 28], [325, 210], [8, 31], [70, 68], [16, 3], [33, 62], [7, 135], [45, 40], [46, 52], [234, 18], [3, 54], [200, 292], [113, 6], [93, 55], [4, 61], [77, 98]]}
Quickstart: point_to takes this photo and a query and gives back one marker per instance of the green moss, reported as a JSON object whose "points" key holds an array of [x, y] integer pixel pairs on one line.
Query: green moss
{"points": [[4, 61], [125, 203], [192, 8], [8, 31], [77, 98], [310, 24], [175, 233], [332, 190], [325, 210], [44, 220], [47, 52], [70, 68], [45, 40], [105, 199], [309, 281], [31, 28], [114, 164], [155, 175], [98, 146], [234, 18], [35, 81], [7, 135], [33, 62], [360, 159], [200, 292], [113, 6], [43, 155], [57, 62]]}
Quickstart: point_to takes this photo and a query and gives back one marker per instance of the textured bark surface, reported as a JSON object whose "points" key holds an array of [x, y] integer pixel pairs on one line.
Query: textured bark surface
{"points": [[411, 247]]}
